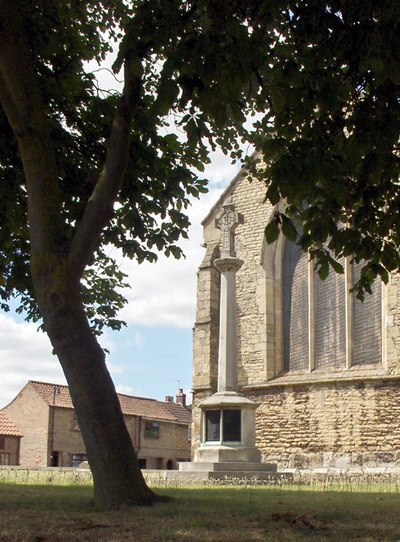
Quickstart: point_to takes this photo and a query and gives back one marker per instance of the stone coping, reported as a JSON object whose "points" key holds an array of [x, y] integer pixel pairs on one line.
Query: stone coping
{"points": [[44, 469], [321, 378], [227, 399], [312, 378]]}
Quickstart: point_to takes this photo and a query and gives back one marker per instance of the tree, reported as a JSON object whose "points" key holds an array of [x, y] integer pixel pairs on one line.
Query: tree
{"points": [[83, 169], [330, 138]]}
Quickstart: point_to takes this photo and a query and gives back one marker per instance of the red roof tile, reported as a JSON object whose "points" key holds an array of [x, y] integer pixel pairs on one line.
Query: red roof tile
{"points": [[7, 427], [148, 408], [53, 394], [58, 395], [181, 414]]}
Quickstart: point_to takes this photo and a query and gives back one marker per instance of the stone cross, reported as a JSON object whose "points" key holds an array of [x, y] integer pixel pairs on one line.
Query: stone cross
{"points": [[227, 223]]}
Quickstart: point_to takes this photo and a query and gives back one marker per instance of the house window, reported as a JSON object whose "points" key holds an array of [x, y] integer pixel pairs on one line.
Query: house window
{"points": [[325, 326], [77, 459], [151, 429], [295, 308], [329, 308], [4, 458], [367, 324], [75, 424], [2, 442]]}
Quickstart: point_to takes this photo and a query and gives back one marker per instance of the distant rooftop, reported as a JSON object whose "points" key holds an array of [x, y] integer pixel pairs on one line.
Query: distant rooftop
{"points": [[7, 427], [58, 395]]}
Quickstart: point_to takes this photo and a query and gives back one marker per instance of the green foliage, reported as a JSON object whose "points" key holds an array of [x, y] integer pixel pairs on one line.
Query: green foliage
{"points": [[186, 58], [330, 137], [322, 79]]}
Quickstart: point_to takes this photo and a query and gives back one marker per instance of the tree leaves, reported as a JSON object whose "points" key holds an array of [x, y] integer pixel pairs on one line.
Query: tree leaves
{"points": [[321, 77], [288, 229], [272, 231], [331, 149], [186, 55]]}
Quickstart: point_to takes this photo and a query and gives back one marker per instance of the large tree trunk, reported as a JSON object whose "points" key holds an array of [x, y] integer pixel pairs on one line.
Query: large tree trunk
{"points": [[117, 477], [57, 265]]}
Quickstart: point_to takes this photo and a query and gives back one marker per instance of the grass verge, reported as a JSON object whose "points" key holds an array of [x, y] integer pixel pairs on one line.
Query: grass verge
{"points": [[40, 513]]}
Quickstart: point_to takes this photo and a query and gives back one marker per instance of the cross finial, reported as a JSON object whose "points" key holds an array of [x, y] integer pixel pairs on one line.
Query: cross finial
{"points": [[227, 223]]}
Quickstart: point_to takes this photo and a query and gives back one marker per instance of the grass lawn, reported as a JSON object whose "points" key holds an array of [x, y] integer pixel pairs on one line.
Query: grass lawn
{"points": [[39, 513]]}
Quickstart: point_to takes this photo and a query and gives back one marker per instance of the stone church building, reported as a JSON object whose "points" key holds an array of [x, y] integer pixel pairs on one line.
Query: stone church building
{"points": [[322, 367]]}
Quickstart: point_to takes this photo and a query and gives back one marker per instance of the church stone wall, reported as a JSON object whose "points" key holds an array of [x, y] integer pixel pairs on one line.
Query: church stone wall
{"points": [[206, 330], [334, 417], [248, 198], [330, 425], [391, 347]]}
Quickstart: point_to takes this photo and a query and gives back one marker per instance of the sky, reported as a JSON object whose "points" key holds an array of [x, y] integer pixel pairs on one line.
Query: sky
{"points": [[152, 356]]}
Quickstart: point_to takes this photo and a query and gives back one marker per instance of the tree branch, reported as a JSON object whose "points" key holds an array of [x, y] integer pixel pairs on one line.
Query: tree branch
{"points": [[9, 106], [22, 101], [99, 209]]}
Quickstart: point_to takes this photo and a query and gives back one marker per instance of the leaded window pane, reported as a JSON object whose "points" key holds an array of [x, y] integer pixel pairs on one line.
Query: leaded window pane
{"points": [[295, 307], [330, 320], [367, 323]]}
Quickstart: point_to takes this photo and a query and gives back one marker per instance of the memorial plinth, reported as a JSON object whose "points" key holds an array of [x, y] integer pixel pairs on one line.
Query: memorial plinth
{"points": [[227, 417], [228, 429]]}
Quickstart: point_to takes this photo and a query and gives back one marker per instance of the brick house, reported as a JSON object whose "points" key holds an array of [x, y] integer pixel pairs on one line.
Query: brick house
{"points": [[51, 436], [10, 441], [322, 367]]}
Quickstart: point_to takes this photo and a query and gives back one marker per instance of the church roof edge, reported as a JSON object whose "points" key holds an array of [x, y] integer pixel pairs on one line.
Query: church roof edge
{"points": [[226, 193]]}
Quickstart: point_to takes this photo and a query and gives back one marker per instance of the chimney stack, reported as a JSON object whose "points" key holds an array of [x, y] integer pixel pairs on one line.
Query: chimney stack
{"points": [[181, 397], [169, 398]]}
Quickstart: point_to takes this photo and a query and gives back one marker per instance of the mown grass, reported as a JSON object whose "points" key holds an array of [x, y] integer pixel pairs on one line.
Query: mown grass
{"points": [[40, 513]]}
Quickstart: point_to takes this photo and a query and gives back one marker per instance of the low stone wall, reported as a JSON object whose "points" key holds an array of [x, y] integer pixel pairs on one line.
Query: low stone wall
{"points": [[45, 475], [347, 479]]}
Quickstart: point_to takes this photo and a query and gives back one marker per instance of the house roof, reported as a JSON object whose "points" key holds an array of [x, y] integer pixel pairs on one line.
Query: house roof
{"points": [[53, 394], [7, 427], [184, 414], [58, 395]]}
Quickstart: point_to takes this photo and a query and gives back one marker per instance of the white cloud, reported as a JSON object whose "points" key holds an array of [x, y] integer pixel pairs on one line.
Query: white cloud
{"points": [[115, 369], [138, 340], [164, 293], [126, 390], [25, 354], [221, 170], [108, 340]]}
